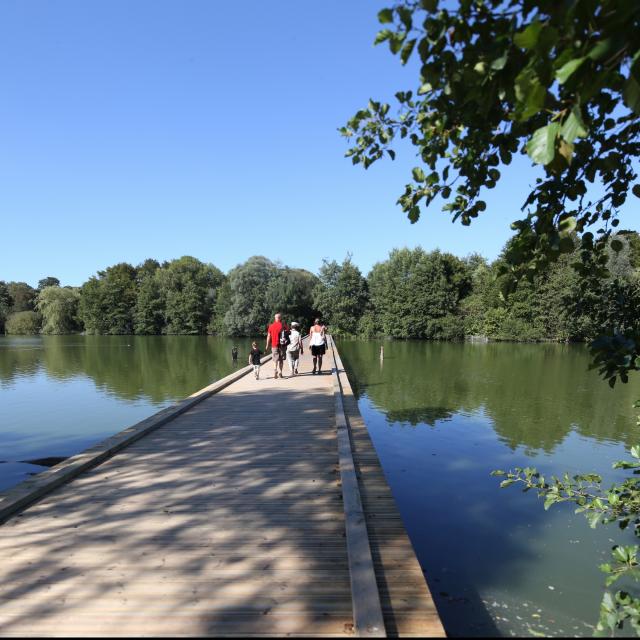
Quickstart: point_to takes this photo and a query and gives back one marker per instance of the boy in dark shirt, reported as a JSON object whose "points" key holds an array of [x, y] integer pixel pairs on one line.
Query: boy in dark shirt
{"points": [[254, 358]]}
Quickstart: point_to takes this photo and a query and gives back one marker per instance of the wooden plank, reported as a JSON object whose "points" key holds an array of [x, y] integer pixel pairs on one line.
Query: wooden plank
{"points": [[231, 518], [367, 613], [27, 492], [200, 528], [408, 607]]}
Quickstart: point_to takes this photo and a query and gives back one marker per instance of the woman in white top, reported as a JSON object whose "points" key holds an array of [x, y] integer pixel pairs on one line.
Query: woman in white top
{"points": [[317, 344], [294, 348]]}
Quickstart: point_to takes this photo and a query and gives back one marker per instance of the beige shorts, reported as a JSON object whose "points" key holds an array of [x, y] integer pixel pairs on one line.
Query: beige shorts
{"points": [[277, 354]]}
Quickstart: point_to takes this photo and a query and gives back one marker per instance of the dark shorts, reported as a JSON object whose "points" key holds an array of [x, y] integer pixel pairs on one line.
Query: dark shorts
{"points": [[317, 349], [278, 354]]}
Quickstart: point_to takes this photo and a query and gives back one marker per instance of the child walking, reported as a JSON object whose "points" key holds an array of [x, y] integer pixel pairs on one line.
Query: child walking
{"points": [[254, 358]]}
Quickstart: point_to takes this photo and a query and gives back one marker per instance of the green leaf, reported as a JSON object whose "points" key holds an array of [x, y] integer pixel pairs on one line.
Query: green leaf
{"points": [[480, 67], [602, 49], [396, 41], [383, 35], [541, 146], [573, 127], [565, 152], [567, 225], [616, 245], [429, 5], [567, 69], [528, 38], [385, 16], [407, 50], [529, 92], [636, 190], [506, 483], [499, 63], [418, 174], [594, 518], [406, 16]]}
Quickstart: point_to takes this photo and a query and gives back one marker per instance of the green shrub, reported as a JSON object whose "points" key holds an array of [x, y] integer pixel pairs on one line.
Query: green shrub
{"points": [[23, 323]]}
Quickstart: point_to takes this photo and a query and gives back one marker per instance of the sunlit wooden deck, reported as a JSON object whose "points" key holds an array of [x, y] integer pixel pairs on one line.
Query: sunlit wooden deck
{"points": [[227, 520]]}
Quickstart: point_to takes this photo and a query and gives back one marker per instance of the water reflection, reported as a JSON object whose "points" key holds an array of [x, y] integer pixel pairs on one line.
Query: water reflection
{"points": [[535, 394], [62, 394], [154, 368], [441, 417]]}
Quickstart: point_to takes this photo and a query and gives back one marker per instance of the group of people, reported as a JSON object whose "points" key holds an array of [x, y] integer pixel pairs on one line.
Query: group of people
{"points": [[286, 344]]}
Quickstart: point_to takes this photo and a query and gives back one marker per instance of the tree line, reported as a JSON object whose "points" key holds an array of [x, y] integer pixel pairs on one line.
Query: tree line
{"points": [[411, 294]]}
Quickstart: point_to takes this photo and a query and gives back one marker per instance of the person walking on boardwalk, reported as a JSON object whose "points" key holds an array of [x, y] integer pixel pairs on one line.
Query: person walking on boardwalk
{"points": [[294, 348], [317, 344], [277, 337], [254, 359]]}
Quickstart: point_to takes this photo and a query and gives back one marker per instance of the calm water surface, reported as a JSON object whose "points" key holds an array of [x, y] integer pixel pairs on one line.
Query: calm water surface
{"points": [[62, 394], [441, 417]]}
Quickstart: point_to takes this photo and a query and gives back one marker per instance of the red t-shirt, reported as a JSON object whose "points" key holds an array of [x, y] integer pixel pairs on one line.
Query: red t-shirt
{"points": [[274, 331]]}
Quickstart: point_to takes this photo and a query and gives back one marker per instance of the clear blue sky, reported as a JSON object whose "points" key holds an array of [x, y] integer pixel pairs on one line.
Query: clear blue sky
{"points": [[159, 128]]}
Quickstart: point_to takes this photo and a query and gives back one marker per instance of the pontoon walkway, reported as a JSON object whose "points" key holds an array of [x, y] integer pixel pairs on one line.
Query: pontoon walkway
{"points": [[251, 508]]}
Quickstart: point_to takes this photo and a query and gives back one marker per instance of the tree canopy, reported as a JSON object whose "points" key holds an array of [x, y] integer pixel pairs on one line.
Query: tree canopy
{"points": [[5, 303], [558, 82], [416, 294], [58, 308], [341, 296], [23, 296], [412, 293], [248, 311], [108, 301], [49, 281]]}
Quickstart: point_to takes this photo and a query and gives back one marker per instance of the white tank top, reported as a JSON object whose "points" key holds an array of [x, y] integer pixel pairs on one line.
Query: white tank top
{"points": [[317, 338]]}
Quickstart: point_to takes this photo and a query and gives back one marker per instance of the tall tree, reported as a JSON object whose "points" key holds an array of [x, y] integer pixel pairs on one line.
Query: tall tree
{"points": [[107, 302], [189, 288], [149, 314], [290, 292], [48, 282], [416, 294], [342, 296], [58, 308], [22, 295], [146, 268], [223, 304], [6, 302], [249, 313]]}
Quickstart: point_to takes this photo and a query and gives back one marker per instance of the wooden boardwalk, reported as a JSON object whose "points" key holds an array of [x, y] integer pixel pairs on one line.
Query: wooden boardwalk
{"points": [[227, 520]]}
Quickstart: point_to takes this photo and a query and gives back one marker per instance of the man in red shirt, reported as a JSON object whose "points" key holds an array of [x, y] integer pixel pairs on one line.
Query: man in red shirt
{"points": [[278, 351]]}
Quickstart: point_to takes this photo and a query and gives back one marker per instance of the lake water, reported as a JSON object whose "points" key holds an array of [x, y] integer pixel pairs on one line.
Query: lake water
{"points": [[441, 416], [62, 394]]}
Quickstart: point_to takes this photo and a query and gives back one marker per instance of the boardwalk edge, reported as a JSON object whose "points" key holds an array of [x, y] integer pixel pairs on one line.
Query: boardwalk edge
{"points": [[367, 611], [29, 491]]}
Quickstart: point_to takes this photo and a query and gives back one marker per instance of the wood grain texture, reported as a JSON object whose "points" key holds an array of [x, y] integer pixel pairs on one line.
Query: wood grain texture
{"points": [[407, 603], [226, 519]]}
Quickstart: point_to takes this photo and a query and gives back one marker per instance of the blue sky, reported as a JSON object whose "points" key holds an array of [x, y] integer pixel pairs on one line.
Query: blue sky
{"points": [[161, 128]]}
